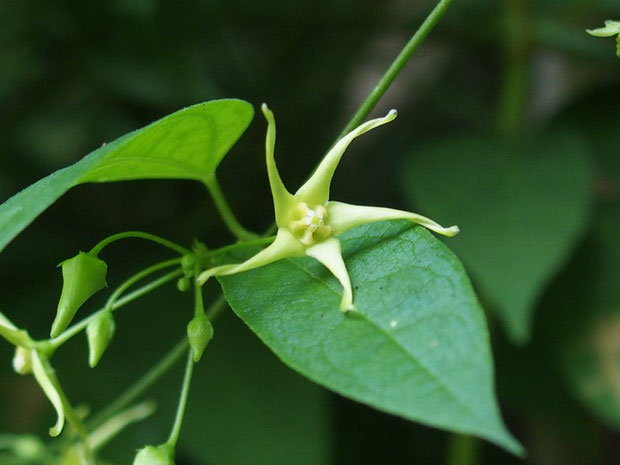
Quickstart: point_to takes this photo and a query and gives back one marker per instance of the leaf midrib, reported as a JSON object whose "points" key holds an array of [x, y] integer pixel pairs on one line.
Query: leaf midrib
{"points": [[438, 380]]}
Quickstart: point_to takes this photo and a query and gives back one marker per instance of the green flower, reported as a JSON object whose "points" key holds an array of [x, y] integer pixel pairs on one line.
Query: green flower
{"points": [[612, 28], [309, 223]]}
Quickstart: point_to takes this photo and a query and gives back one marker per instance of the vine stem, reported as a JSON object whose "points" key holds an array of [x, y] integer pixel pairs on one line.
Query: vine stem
{"points": [[462, 450], [141, 385], [226, 213], [153, 374], [396, 67], [178, 420], [515, 79], [140, 235], [240, 245]]}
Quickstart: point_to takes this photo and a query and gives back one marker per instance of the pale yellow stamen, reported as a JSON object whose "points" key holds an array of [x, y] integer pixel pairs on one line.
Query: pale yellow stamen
{"points": [[310, 224]]}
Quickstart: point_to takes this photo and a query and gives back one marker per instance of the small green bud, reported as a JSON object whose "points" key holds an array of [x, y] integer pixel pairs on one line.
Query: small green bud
{"points": [[199, 333], [154, 455], [22, 361], [188, 262], [183, 285], [83, 275], [99, 332]]}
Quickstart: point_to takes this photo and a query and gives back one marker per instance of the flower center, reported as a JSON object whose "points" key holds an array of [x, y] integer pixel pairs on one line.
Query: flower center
{"points": [[309, 225]]}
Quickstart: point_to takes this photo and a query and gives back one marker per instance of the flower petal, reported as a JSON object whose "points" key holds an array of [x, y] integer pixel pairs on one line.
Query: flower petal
{"points": [[315, 191], [45, 376], [344, 216], [285, 245], [329, 254], [611, 28], [283, 200]]}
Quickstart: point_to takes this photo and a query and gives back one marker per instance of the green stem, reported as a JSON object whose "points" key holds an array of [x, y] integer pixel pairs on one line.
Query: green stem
{"points": [[217, 308], [140, 235], [153, 374], [225, 211], [141, 385], [178, 421], [513, 91], [241, 245], [397, 65], [462, 450], [67, 334], [199, 306], [137, 277]]}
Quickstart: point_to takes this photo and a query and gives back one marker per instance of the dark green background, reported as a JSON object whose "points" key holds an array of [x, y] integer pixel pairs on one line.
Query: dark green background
{"points": [[76, 74]]}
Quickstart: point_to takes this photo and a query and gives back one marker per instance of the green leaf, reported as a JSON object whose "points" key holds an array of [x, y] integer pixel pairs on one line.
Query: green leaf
{"points": [[188, 144], [418, 345], [590, 350], [521, 208]]}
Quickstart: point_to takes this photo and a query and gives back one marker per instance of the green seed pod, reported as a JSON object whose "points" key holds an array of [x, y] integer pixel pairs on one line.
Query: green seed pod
{"points": [[99, 332], [154, 455], [83, 275], [199, 333], [183, 285]]}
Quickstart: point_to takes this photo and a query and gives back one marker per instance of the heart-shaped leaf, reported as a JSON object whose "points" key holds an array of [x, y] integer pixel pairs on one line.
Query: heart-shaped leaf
{"points": [[188, 144], [418, 345], [521, 207]]}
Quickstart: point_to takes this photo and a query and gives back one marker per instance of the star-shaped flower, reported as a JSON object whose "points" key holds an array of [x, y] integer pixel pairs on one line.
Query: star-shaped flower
{"points": [[309, 223], [612, 28]]}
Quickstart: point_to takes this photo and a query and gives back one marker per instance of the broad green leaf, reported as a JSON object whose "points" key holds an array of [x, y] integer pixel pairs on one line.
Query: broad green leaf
{"points": [[418, 345], [521, 208], [188, 144]]}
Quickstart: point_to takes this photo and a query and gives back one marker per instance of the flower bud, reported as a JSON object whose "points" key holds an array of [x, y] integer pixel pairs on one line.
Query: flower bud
{"points": [[154, 455], [83, 275], [22, 361], [99, 332], [183, 284], [199, 333]]}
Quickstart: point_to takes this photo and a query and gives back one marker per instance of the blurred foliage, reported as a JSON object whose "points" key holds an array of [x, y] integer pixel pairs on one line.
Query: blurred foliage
{"points": [[76, 74]]}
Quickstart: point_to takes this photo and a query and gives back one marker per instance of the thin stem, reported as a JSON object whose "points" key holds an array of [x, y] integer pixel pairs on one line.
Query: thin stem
{"points": [[137, 277], [153, 374], [241, 245], [199, 306], [141, 385], [217, 308], [178, 421], [462, 450], [113, 426], [397, 65], [140, 235], [225, 211], [67, 334], [513, 90]]}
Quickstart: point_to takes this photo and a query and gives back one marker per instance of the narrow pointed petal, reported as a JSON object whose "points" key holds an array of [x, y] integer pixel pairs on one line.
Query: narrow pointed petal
{"points": [[285, 245], [329, 254], [611, 28], [316, 189], [283, 200], [45, 376], [344, 216]]}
